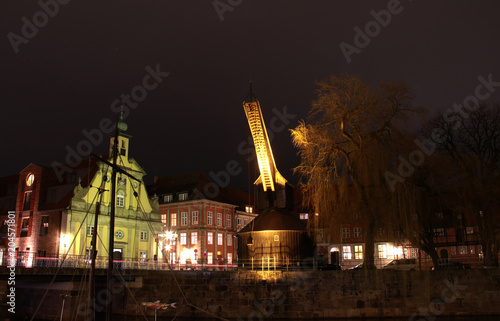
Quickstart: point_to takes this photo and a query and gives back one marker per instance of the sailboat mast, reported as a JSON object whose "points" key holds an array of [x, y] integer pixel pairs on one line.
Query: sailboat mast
{"points": [[109, 301], [93, 257]]}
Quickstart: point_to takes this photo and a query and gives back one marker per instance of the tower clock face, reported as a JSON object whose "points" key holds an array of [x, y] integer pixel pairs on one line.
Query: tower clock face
{"points": [[30, 179]]}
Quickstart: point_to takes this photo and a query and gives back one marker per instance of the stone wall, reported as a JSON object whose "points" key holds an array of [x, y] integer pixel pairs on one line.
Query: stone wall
{"points": [[326, 294], [289, 295]]}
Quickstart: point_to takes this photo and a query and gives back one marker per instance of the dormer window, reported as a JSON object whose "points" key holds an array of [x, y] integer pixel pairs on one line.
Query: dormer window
{"points": [[183, 196], [167, 198], [249, 209]]}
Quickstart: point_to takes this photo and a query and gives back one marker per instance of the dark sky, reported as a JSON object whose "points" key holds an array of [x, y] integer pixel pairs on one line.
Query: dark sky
{"points": [[65, 78]]}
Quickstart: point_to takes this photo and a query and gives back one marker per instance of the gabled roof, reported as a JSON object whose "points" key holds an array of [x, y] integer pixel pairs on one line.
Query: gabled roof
{"points": [[198, 186]]}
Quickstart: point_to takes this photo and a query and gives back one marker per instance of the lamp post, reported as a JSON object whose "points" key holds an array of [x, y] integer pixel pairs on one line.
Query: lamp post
{"points": [[171, 237]]}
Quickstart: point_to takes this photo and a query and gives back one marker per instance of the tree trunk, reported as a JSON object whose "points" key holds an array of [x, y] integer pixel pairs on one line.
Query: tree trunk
{"points": [[431, 250], [490, 254], [369, 259]]}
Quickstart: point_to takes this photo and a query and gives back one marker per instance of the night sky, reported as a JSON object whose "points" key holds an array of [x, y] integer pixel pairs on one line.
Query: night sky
{"points": [[67, 77]]}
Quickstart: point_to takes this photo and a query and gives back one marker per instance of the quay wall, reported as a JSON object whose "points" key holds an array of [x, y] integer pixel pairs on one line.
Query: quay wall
{"points": [[250, 295]]}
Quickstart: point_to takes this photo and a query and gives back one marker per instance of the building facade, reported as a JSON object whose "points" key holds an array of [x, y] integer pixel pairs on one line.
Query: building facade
{"points": [[55, 210], [200, 220]]}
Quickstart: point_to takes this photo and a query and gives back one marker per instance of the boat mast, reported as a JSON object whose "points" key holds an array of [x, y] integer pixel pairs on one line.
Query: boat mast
{"points": [[109, 288]]}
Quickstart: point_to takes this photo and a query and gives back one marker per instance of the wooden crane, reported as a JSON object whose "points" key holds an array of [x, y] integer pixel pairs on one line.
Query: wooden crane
{"points": [[273, 183]]}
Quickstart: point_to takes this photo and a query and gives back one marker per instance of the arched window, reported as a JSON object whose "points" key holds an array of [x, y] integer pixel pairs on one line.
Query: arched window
{"points": [[120, 199]]}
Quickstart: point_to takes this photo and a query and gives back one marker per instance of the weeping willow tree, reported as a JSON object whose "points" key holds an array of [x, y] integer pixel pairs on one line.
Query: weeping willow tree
{"points": [[350, 139]]}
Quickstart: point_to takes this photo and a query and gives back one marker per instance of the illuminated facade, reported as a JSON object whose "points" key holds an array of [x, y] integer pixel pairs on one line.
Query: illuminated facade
{"points": [[200, 219], [55, 211]]}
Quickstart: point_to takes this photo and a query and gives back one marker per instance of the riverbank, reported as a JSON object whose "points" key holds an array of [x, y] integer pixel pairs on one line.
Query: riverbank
{"points": [[279, 295]]}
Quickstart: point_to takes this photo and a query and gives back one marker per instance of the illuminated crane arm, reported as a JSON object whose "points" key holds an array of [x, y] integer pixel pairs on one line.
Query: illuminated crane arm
{"points": [[269, 175]]}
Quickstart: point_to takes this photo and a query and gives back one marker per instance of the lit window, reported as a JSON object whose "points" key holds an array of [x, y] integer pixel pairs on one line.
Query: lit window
{"points": [[470, 230], [228, 220], [44, 226], [27, 201], [143, 256], [219, 219], [438, 231], [144, 236], [183, 240], [472, 249], [357, 231], [346, 250], [173, 219], [183, 196], [358, 252], [345, 233], [194, 217], [24, 227], [209, 218], [480, 252], [164, 218], [229, 240], [210, 258], [414, 252], [276, 238], [184, 218], [210, 238], [249, 209], [219, 239], [167, 198], [120, 199], [90, 230], [382, 251], [462, 249], [194, 238], [229, 258], [304, 216]]}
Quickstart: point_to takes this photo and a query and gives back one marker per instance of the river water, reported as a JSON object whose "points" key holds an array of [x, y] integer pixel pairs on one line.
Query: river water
{"points": [[417, 318]]}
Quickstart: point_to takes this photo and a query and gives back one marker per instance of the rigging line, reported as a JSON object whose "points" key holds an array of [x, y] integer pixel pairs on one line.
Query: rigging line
{"points": [[175, 279], [62, 263], [141, 207], [65, 256], [192, 305], [152, 230], [133, 297]]}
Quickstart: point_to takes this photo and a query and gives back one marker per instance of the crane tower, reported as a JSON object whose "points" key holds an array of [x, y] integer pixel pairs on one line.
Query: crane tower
{"points": [[275, 191]]}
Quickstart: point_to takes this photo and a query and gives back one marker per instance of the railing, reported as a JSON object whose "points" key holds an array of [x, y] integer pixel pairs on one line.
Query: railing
{"points": [[30, 260]]}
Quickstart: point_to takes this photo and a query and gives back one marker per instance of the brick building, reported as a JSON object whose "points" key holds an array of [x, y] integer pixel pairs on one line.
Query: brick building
{"points": [[200, 219], [55, 210]]}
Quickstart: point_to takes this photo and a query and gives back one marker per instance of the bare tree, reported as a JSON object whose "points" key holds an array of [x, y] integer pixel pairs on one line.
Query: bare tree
{"points": [[471, 140], [351, 138]]}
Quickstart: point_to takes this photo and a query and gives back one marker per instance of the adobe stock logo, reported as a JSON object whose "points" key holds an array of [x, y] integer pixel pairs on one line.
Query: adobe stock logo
{"points": [[94, 137], [373, 28], [30, 28], [222, 6]]}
